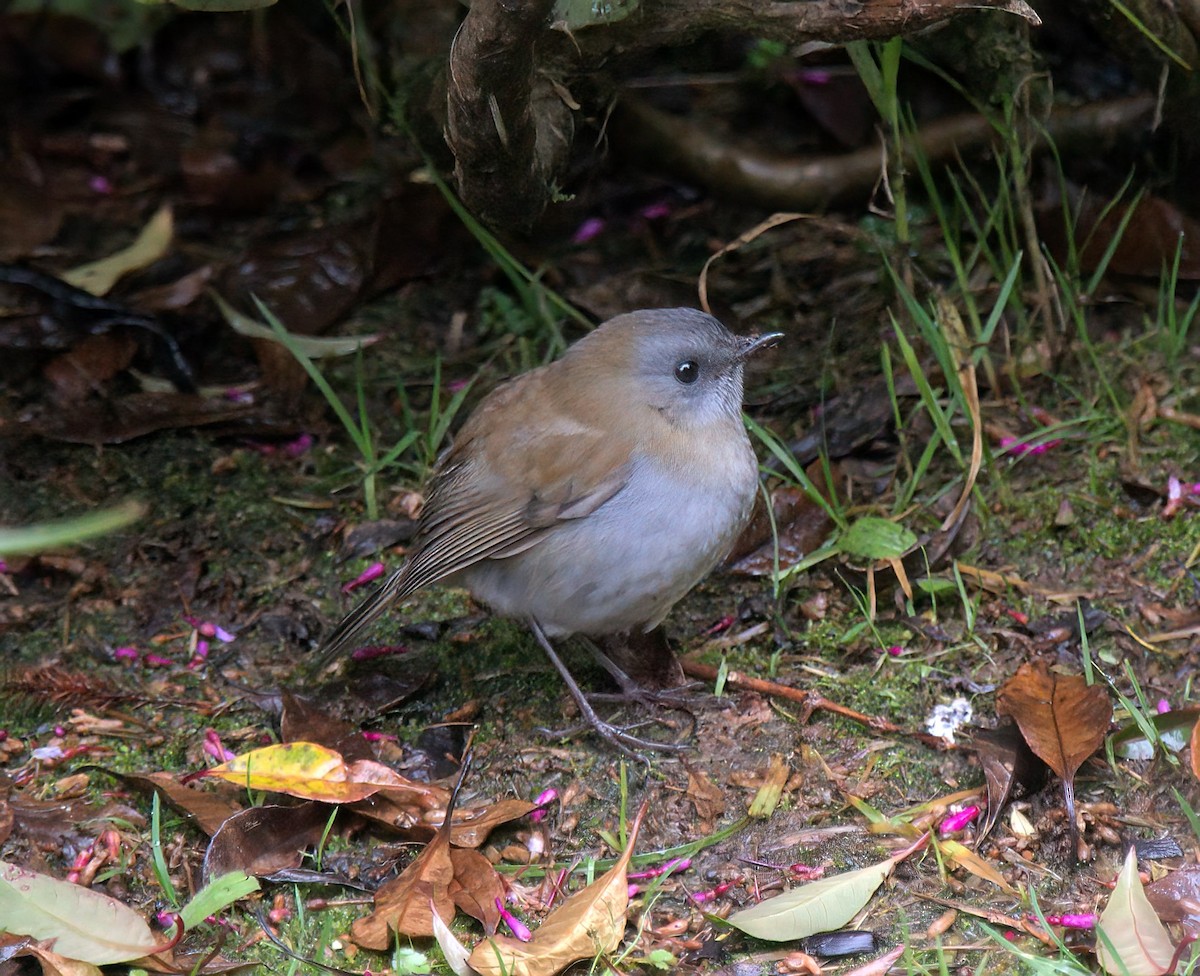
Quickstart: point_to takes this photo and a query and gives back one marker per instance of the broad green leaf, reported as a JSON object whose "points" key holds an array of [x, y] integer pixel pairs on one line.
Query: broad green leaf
{"points": [[876, 538], [820, 906], [83, 924], [1131, 940]]}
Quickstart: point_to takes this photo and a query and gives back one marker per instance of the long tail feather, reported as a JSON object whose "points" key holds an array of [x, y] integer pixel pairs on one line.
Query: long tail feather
{"points": [[366, 613]]}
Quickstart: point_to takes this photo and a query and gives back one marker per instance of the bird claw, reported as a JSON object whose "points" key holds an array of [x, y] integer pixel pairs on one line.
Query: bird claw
{"points": [[618, 737]]}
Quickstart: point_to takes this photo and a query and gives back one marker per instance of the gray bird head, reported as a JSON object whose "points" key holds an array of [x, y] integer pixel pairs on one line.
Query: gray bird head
{"points": [[688, 365]]}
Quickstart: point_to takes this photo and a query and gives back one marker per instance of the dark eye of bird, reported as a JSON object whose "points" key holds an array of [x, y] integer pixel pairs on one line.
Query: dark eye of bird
{"points": [[688, 371]]}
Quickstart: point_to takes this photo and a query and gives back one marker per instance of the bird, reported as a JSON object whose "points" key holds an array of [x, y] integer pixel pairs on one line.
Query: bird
{"points": [[588, 495]]}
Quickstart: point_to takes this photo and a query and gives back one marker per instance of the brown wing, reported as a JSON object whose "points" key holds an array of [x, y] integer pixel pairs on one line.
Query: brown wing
{"points": [[494, 496]]}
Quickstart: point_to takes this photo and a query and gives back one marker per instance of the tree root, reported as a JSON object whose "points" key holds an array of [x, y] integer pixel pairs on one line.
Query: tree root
{"points": [[687, 151]]}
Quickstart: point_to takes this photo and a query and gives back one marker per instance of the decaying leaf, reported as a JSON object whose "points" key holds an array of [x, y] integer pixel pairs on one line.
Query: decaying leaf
{"points": [[1062, 717], [1131, 940], [441, 878], [881, 965], [589, 923], [469, 829], [55, 964], [1176, 897], [476, 887], [313, 772], [1007, 762], [406, 904], [706, 797], [767, 797], [209, 809], [266, 839], [302, 719], [1195, 750], [84, 924]]}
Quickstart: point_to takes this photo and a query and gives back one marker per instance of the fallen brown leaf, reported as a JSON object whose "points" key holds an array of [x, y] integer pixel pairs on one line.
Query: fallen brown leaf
{"points": [[263, 840], [706, 797], [405, 905], [476, 887], [1007, 761], [588, 924], [1062, 717]]}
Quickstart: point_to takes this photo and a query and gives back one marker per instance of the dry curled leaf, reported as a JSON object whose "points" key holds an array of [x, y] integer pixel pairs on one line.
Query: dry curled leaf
{"points": [[406, 904], [588, 924], [476, 887], [1007, 761], [313, 772]]}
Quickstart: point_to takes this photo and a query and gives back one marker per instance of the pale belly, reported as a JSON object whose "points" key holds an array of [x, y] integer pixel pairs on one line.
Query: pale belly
{"points": [[625, 565]]}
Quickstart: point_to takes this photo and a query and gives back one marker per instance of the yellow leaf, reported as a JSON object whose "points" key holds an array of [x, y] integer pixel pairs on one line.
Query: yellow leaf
{"points": [[967, 859], [152, 243], [313, 772], [767, 797]]}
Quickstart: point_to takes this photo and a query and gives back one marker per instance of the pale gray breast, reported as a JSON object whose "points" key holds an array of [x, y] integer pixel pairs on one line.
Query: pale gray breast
{"points": [[626, 564]]}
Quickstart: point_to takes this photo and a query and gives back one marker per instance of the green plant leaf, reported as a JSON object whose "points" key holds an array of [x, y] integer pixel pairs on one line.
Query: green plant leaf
{"points": [[876, 538], [216, 896], [67, 532], [821, 906], [313, 347]]}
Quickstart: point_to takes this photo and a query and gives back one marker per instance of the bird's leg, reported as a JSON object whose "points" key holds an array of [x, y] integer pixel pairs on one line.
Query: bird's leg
{"points": [[618, 738], [643, 666]]}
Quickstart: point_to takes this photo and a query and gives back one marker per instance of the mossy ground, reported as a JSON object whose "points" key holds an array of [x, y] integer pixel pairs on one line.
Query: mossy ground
{"points": [[251, 538]]}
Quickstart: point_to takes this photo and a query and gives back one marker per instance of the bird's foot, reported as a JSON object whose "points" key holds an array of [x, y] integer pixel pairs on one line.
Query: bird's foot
{"points": [[620, 737]]}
